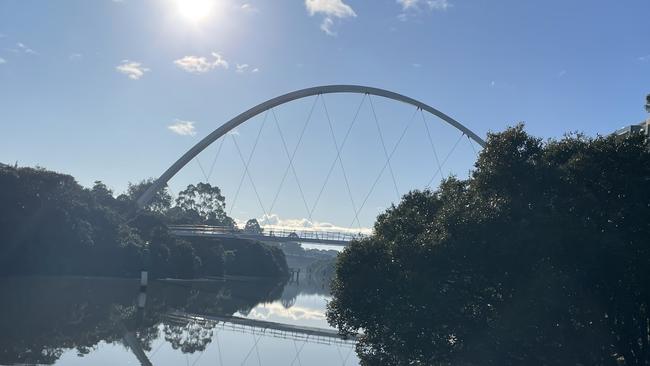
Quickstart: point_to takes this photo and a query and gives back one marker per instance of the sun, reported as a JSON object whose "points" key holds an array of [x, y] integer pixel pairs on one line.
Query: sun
{"points": [[195, 10]]}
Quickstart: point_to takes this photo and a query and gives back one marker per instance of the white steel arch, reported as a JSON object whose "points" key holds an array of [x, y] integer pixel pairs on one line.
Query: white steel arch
{"points": [[282, 99]]}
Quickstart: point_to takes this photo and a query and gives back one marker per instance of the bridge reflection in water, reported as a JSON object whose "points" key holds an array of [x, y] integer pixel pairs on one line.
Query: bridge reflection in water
{"points": [[78, 320]]}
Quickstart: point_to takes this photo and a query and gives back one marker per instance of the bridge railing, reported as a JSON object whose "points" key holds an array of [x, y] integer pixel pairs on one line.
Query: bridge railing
{"points": [[271, 232]]}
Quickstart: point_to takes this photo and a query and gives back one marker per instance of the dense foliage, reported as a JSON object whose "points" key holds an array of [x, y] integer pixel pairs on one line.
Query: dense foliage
{"points": [[49, 224], [541, 256]]}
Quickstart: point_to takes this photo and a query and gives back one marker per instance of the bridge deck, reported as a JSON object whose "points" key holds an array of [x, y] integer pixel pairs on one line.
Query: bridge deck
{"points": [[277, 235], [312, 334]]}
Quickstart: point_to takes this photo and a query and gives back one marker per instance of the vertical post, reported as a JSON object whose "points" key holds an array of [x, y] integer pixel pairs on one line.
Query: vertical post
{"points": [[142, 297]]}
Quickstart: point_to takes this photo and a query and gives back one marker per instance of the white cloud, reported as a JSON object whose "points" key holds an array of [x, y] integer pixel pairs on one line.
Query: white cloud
{"points": [[183, 128], [439, 4], [134, 70], [2, 61], [242, 68], [276, 312], [273, 221], [644, 58], [25, 49], [75, 56], [219, 61], [326, 26], [200, 64], [249, 8], [414, 7], [330, 9], [255, 70]]}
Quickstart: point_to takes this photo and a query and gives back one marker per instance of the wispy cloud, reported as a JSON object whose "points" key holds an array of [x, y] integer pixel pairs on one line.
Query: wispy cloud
{"points": [[200, 64], [75, 56], [330, 9], [242, 68], [23, 48], [2, 61], [183, 128], [414, 7], [644, 58], [134, 70], [249, 8]]}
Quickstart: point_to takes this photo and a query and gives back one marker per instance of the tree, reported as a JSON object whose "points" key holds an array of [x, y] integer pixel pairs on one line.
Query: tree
{"points": [[253, 227], [159, 203], [206, 202], [539, 257]]}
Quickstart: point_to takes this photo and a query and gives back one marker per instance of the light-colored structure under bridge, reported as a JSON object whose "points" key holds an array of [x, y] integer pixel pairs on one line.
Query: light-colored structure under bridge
{"points": [[269, 234]]}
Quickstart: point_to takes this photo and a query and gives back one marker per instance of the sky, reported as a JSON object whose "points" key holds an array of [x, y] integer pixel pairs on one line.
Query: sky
{"points": [[118, 90]]}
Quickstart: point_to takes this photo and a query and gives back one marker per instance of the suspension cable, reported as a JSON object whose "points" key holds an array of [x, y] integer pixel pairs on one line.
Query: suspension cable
{"points": [[445, 160], [383, 145], [250, 178], [372, 188], [216, 156], [331, 169], [246, 163], [435, 154], [291, 158], [338, 154], [201, 167], [293, 169], [472, 146]]}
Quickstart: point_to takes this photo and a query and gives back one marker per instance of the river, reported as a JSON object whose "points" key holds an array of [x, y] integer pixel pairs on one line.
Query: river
{"points": [[97, 321]]}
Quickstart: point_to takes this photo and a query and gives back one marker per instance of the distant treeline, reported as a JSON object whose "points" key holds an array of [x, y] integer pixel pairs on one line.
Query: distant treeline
{"points": [[49, 224]]}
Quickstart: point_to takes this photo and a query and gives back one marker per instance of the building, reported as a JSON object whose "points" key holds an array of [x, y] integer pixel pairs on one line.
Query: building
{"points": [[643, 127]]}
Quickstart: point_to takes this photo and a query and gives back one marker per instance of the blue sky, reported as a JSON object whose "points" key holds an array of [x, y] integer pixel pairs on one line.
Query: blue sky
{"points": [[91, 88]]}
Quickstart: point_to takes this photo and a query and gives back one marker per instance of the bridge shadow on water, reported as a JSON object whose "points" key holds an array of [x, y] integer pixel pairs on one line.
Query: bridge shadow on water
{"points": [[48, 318]]}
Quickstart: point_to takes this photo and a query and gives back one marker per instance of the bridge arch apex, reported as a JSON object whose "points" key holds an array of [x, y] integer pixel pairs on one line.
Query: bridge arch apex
{"points": [[159, 183]]}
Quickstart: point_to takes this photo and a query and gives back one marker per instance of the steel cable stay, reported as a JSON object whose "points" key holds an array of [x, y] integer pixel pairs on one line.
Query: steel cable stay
{"points": [[201, 167], [250, 178], [216, 337], [290, 157], [298, 352], [246, 163], [338, 154], [381, 172], [445, 160], [198, 358], [472, 146], [251, 350], [383, 145], [216, 156], [295, 347], [435, 154], [344, 361], [331, 168], [286, 171]]}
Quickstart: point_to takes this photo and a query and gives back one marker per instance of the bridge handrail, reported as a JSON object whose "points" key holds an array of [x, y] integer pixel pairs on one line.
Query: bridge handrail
{"points": [[273, 232]]}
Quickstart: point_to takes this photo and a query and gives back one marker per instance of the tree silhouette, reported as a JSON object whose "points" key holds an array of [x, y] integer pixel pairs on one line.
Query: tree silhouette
{"points": [[540, 257]]}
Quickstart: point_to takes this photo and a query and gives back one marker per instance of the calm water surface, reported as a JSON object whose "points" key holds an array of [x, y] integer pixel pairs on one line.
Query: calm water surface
{"points": [[91, 321]]}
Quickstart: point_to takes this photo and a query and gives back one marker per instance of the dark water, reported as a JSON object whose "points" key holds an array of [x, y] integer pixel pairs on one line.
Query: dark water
{"points": [[91, 321]]}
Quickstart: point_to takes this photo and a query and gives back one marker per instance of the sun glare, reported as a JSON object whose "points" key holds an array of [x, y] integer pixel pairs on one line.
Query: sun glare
{"points": [[195, 10]]}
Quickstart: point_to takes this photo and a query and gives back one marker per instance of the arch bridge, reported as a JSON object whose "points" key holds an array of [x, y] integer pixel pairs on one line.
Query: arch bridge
{"points": [[229, 126]]}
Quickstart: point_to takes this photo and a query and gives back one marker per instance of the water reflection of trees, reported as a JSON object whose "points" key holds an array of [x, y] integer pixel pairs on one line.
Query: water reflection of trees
{"points": [[47, 316]]}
